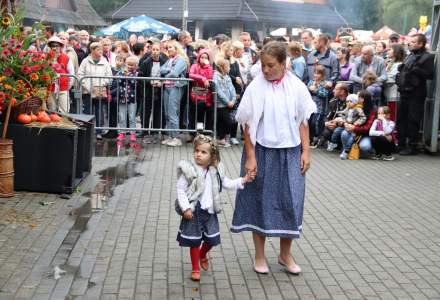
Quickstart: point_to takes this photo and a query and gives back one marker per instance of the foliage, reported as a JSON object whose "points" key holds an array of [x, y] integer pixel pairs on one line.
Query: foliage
{"points": [[401, 15], [24, 69]]}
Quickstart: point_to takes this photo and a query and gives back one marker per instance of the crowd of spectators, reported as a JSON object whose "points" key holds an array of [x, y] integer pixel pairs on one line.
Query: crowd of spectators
{"points": [[371, 94]]}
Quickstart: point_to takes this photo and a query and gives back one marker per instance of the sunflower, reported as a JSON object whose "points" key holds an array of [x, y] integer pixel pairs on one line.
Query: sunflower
{"points": [[6, 21], [34, 77]]}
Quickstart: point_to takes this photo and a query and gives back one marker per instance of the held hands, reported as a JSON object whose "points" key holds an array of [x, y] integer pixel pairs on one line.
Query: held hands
{"points": [[248, 178], [187, 214], [349, 127], [230, 104], [251, 168]]}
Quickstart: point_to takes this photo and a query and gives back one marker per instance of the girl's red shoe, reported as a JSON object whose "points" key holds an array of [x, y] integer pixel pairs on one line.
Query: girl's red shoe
{"points": [[204, 263], [195, 275]]}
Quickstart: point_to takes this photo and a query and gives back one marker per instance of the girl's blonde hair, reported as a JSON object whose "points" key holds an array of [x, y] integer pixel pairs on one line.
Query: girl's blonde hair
{"points": [[222, 64], [132, 58], [237, 45], [385, 109], [294, 47], [205, 139], [179, 51]]}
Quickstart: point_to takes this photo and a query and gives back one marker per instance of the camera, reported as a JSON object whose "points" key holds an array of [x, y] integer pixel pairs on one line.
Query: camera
{"points": [[345, 31]]}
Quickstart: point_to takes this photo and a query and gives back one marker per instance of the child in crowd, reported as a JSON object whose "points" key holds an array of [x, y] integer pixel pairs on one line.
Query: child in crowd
{"points": [[201, 94], [198, 200], [319, 95], [119, 65], [382, 135], [127, 98], [226, 98], [370, 84], [353, 114], [297, 61]]}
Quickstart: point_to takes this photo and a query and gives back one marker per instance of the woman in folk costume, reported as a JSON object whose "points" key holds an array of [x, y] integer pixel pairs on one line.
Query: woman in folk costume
{"points": [[274, 111]]}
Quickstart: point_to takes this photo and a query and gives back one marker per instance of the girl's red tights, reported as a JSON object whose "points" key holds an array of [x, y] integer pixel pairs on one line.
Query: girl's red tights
{"points": [[197, 253]]}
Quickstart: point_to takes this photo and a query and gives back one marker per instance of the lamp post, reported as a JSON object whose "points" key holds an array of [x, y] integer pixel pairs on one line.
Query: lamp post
{"points": [[185, 14]]}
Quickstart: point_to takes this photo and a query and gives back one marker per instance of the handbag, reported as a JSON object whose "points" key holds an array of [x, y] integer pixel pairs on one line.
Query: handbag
{"points": [[199, 93], [99, 92], [355, 151]]}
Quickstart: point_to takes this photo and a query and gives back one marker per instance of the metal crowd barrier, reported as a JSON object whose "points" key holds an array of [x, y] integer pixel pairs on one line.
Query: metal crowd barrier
{"points": [[106, 97]]}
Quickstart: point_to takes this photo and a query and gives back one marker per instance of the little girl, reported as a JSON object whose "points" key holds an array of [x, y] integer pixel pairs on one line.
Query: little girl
{"points": [[226, 99], [382, 135], [198, 201], [127, 98], [319, 95]]}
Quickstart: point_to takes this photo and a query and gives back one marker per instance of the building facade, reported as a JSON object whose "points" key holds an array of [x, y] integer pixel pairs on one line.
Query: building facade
{"points": [[209, 17]]}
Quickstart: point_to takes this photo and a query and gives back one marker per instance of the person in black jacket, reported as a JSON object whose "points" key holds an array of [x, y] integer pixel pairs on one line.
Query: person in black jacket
{"points": [[334, 109], [153, 93], [414, 72]]}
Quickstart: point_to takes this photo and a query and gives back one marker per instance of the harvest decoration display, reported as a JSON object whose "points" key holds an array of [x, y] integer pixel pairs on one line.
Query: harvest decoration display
{"points": [[25, 70]]}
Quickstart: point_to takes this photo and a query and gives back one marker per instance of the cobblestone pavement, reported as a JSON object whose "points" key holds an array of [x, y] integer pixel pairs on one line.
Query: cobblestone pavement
{"points": [[371, 231]]}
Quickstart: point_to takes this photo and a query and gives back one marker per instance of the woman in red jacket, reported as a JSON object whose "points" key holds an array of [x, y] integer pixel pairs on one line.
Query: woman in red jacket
{"points": [[201, 108], [370, 111]]}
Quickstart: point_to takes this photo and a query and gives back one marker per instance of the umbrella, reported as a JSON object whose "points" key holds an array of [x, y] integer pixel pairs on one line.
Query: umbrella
{"points": [[114, 29], [138, 25], [146, 26]]}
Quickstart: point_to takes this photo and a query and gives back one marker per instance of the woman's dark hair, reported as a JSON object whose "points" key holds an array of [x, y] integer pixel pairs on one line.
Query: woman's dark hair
{"points": [[267, 40], [399, 52], [221, 38], [368, 104], [276, 50], [137, 48], [346, 52]]}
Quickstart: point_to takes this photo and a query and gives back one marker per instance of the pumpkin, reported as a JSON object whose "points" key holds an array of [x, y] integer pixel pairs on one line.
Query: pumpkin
{"points": [[55, 118], [33, 117], [24, 118], [43, 117]]}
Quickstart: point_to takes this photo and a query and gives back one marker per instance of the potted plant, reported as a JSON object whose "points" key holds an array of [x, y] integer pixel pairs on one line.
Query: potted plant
{"points": [[24, 71]]}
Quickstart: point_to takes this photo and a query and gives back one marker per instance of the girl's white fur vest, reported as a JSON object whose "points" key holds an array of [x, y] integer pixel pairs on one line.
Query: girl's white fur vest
{"points": [[196, 183]]}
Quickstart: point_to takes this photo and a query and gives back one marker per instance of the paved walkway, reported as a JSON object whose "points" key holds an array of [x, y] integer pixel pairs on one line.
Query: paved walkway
{"points": [[371, 231]]}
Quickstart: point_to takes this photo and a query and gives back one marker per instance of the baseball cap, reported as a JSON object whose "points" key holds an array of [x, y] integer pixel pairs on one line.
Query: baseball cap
{"points": [[353, 98], [394, 36], [55, 39]]}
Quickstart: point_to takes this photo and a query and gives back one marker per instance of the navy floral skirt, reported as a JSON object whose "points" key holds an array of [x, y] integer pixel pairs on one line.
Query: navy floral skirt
{"points": [[202, 227], [272, 205]]}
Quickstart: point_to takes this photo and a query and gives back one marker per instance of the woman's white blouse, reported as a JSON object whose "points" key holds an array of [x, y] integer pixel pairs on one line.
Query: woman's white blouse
{"points": [[275, 111]]}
